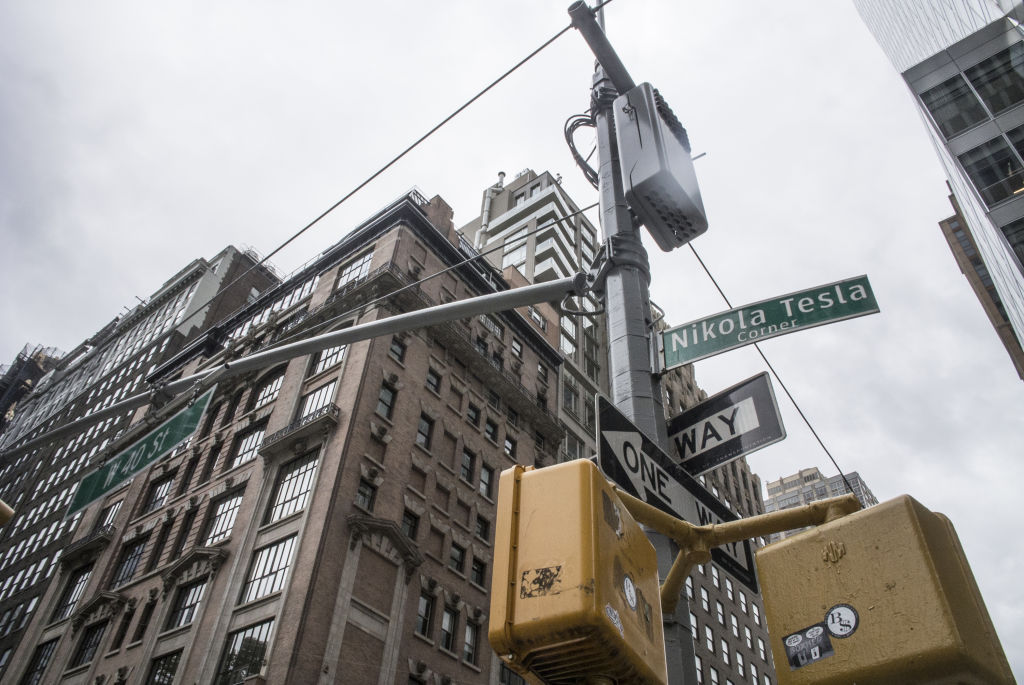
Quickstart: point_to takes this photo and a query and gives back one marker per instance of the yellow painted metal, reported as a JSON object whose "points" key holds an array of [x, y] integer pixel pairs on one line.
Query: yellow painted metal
{"points": [[695, 542], [574, 590], [5, 513], [897, 576]]}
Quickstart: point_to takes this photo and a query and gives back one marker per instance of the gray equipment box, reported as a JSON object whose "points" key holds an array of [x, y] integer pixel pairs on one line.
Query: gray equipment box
{"points": [[657, 171]]}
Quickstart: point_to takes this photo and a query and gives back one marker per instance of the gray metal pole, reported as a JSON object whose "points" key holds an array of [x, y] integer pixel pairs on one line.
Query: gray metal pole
{"points": [[551, 291], [635, 389]]}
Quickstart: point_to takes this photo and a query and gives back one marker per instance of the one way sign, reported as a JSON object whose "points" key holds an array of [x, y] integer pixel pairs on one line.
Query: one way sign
{"points": [[638, 466]]}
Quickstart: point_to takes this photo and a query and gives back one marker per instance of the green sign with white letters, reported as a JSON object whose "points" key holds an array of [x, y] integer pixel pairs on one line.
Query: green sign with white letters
{"points": [[767, 319], [141, 454]]}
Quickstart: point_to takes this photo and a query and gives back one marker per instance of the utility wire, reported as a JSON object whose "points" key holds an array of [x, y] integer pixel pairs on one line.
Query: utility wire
{"points": [[423, 280], [380, 171], [389, 164], [778, 378], [135, 401]]}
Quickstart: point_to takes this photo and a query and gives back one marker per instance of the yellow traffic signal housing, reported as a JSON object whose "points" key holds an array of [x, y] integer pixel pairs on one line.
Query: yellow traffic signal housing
{"points": [[574, 591], [884, 595]]}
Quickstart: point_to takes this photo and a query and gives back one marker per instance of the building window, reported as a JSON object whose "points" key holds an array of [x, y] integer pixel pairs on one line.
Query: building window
{"points": [[471, 644], [705, 601], [109, 514], [720, 612], [486, 486], [510, 447], [478, 571], [397, 350], [457, 558], [72, 593], [999, 80], [693, 626], [449, 623], [130, 556], [953, 106], [725, 650], [163, 668], [709, 639], [425, 614], [318, 399], [735, 625], [424, 431], [743, 601], [366, 494], [994, 170], [386, 401], [269, 390], [491, 430], [468, 466], [729, 590], [294, 483], [355, 270], [756, 614], [494, 400], [715, 577], [739, 663], [700, 670], [483, 528], [246, 446], [473, 414], [713, 672], [243, 653], [513, 417], [92, 636], [410, 524], [223, 519], [189, 597], [157, 494], [434, 381], [325, 359], [761, 651], [689, 588], [508, 677], [40, 660], [270, 565]]}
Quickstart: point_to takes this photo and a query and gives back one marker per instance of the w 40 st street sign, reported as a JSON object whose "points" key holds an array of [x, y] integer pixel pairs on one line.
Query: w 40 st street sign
{"points": [[767, 319], [141, 453]]}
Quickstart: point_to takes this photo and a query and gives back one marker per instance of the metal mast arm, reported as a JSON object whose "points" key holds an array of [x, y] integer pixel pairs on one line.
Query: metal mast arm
{"points": [[553, 291]]}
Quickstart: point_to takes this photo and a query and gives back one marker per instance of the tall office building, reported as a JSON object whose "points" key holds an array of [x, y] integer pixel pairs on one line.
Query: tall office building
{"points": [[965, 250], [963, 61], [110, 365], [534, 231], [810, 485], [332, 517]]}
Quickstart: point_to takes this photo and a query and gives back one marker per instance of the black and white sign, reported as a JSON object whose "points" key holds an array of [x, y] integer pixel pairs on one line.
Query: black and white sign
{"points": [[727, 426], [638, 466], [807, 646]]}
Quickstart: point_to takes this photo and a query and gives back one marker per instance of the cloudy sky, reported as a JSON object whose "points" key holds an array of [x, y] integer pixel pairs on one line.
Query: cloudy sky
{"points": [[134, 139]]}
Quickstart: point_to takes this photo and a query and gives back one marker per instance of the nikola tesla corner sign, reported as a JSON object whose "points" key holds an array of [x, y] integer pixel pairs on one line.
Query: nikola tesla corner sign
{"points": [[767, 319]]}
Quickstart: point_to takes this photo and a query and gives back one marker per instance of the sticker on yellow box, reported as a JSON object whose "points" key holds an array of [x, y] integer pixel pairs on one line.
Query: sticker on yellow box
{"points": [[807, 646]]}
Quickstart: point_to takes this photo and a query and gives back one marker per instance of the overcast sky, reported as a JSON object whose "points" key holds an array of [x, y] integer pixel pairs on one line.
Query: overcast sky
{"points": [[133, 140]]}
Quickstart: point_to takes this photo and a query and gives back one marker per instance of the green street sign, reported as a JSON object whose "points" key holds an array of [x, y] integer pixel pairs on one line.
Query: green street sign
{"points": [[141, 454], [767, 319]]}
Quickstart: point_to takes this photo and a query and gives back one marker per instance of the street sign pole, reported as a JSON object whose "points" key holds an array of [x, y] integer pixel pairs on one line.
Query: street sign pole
{"points": [[635, 390]]}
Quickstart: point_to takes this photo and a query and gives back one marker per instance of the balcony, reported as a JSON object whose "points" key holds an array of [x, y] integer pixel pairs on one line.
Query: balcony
{"points": [[88, 546], [301, 432]]}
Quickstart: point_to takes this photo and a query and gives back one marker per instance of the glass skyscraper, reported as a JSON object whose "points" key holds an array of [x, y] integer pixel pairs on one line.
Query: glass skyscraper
{"points": [[963, 61]]}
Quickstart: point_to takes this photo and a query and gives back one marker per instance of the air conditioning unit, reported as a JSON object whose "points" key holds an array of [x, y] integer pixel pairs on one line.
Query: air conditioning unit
{"points": [[657, 168]]}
